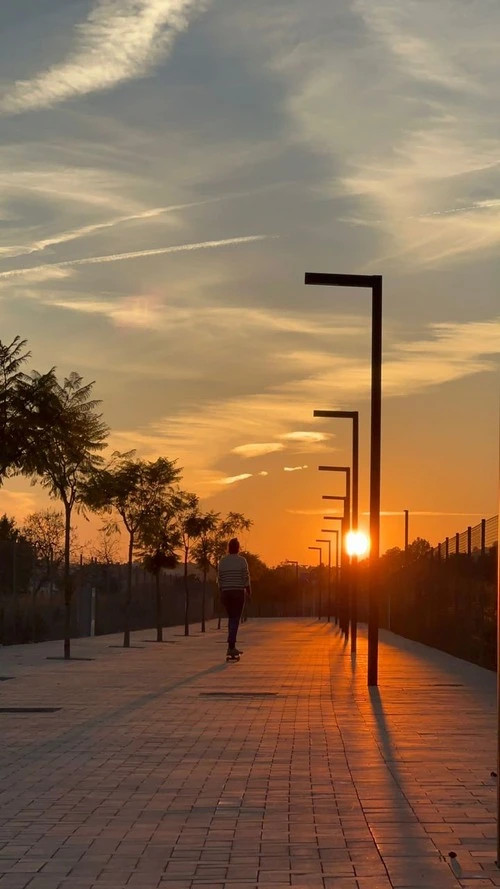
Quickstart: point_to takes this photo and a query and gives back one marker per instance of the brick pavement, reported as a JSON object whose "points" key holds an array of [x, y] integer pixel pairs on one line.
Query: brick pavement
{"points": [[150, 775]]}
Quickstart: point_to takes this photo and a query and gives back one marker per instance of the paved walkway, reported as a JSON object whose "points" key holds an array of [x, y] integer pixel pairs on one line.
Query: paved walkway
{"points": [[165, 767]]}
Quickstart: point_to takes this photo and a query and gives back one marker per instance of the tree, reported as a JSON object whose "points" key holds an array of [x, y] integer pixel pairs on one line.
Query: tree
{"points": [[44, 531], [159, 538], [63, 454], [207, 528], [136, 490], [12, 357], [9, 532], [188, 525], [418, 548], [107, 544], [28, 407]]}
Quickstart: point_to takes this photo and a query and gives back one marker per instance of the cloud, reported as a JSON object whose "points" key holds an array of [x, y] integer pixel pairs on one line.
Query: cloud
{"points": [[314, 512], [306, 437], [136, 254], [263, 473], [121, 40], [415, 512], [257, 449], [294, 468], [232, 479]]}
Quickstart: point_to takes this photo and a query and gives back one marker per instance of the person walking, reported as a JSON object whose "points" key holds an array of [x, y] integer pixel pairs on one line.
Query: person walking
{"points": [[233, 579]]}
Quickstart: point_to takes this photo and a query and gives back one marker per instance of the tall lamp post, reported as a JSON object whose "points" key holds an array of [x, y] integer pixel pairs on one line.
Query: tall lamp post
{"points": [[373, 283], [346, 528], [340, 562], [354, 416], [319, 549], [329, 587], [336, 532], [344, 596]]}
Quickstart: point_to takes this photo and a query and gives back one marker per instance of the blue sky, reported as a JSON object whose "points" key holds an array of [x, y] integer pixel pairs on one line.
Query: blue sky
{"points": [[169, 171]]}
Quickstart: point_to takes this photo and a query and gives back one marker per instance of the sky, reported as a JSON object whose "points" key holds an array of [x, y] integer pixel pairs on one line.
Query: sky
{"points": [[170, 169]]}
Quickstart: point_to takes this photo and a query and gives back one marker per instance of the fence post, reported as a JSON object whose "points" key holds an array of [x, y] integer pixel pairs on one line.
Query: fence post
{"points": [[457, 543], [483, 536], [469, 541], [439, 551], [447, 548]]}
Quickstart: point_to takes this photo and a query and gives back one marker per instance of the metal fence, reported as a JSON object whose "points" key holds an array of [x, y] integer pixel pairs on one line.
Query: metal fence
{"points": [[32, 598], [446, 597], [475, 539]]}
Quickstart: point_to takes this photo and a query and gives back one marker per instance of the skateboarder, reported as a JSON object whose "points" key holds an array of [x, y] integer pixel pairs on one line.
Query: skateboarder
{"points": [[233, 578]]}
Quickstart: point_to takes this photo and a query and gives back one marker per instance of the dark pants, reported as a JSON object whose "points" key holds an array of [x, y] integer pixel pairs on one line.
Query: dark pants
{"points": [[233, 601]]}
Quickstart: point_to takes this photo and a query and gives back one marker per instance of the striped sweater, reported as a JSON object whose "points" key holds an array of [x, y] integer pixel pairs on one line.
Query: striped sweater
{"points": [[233, 573]]}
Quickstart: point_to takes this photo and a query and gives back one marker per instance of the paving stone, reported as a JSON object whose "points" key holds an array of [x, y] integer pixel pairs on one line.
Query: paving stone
{"points": [[294, 774]]}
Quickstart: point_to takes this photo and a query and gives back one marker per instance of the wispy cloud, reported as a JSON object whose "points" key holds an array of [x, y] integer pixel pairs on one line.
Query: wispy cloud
{"points": [[306, 437], [313, 512], [135, 254], [121, 40], [258, 449], [294, 468], [232, 479], [395, 512]]}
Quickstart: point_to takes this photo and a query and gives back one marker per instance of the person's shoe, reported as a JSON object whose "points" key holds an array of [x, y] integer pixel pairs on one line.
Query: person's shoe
{"points": [[233, 653]]}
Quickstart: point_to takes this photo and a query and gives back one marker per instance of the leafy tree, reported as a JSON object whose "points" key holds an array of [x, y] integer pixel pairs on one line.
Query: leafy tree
{"points": [[234, 523], [9, 532], [44, 530], [12, 358], [418, 548], [28, 407], [188, 526], [207, 528], [159, 538], [136, 490], [63, 454]]}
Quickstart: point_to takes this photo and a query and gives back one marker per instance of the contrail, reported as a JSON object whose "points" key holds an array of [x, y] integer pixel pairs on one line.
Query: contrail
{"points": [[136, 254], [84, 230]]}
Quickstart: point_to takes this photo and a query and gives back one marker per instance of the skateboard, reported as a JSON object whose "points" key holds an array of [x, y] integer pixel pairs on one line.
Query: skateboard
{"points": [[233, 657]]}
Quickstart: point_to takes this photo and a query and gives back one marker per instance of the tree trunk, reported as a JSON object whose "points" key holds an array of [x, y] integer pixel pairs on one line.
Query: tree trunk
{"points": [[186, 593], [159, 620], [128, 597], [203, 599], [67, 582]]}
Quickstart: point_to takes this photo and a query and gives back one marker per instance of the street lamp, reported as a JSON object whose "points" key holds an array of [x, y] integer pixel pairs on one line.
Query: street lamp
{"points": [[320, 551], [354, 416], [373, 283], [329, 542], [336, 532], [344, 591], [338, 518]]}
